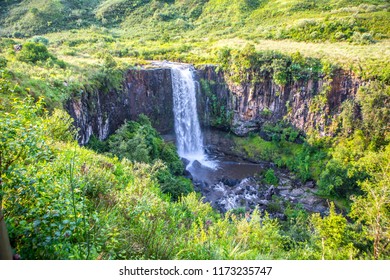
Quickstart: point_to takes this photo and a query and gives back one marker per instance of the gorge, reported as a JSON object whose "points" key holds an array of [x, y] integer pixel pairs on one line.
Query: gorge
{"points": [[173, 95], [195, 130]]}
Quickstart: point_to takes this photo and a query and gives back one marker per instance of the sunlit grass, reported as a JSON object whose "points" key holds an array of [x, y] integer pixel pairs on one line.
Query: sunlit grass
{"points": [[343, 53]]}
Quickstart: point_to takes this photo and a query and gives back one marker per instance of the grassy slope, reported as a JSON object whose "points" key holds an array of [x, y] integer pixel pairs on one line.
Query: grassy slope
{"points": [[197, 26], [254, 18]]}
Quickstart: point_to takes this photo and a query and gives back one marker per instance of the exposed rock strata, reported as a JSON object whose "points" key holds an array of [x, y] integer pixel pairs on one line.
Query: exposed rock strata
{"points": [[144, 91], [312, 104]]}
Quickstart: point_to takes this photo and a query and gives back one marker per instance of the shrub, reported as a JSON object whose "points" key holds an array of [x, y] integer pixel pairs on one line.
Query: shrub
{"points": [[33, 52], [98, 146], [40, 39], [270, 177], [59, 126], [169, 155], [174, 186], [3, 62], [337, 181], [362, 38], [109, 62]]}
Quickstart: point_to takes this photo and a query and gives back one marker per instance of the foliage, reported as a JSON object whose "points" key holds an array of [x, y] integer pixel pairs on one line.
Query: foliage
{"points": [[372, 208], [36, 17], [175, 186], [22, 139], [307, 160], [270, 177], [281, 131], [3, 62], [333, 29], [248, 65], [33, 52], [307, 20], [374, 101], [37, 52], [218, 115], [333, 236], [59, 125], [40, 39], [335, 180], [62, 201], [138, 141]]}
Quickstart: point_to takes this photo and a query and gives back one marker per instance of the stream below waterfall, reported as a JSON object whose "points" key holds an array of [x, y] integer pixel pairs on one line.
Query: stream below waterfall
{"points": [[239, 184]]}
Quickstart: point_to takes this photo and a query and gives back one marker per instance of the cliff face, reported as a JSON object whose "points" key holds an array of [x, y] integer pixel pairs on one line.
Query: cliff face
{"points": [[144, 91], [312, 104]]}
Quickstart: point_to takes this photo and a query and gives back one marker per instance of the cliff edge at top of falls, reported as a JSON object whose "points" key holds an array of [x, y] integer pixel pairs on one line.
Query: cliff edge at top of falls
{"points": [[240, 108]]}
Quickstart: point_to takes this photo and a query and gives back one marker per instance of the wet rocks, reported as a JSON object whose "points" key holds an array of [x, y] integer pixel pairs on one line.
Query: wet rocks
{"points": [[229, 181], [250, 192]]}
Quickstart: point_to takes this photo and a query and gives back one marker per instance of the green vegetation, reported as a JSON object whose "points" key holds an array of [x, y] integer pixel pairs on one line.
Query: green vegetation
{"points": [[270, 177], [306, 160], [247, 65], [37, 52], [140, 142], [126, 198], [338, 164], [62, 201], [195, 30], [219, 115]]}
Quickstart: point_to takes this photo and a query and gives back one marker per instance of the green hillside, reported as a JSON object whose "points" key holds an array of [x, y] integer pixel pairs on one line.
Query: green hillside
{"points": [[333, 20], [156, 27]]}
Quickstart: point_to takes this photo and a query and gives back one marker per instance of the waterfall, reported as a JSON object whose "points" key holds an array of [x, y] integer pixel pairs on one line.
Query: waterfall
{"points": [[188, 133]]}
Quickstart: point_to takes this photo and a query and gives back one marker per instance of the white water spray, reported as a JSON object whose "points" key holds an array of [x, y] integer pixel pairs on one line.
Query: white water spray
{"points": [[188, 134]]}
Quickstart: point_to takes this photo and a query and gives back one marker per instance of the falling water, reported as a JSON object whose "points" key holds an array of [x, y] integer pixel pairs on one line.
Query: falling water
{"points": [[188, 134]]}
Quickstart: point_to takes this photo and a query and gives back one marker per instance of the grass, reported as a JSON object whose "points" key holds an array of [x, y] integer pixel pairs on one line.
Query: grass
{"points": [[193, 30], [340, 52], [87, 34], [84, 50]]}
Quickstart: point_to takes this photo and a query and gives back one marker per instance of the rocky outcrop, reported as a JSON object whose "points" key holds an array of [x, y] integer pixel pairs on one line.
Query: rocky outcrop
{"points": [[144, 91], [311, 104], [251, 192]]}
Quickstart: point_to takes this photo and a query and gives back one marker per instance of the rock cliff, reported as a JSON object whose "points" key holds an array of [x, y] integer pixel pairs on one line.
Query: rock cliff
{"points": [[307, 105], [144, 91], [241, 108]]}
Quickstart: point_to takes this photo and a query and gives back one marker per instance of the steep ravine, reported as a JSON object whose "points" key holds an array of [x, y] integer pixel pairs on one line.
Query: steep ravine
{"points": [[221, 104]]}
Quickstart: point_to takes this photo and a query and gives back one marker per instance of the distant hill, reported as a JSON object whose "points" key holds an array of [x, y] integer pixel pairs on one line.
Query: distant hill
{"points": [[306, 20]]}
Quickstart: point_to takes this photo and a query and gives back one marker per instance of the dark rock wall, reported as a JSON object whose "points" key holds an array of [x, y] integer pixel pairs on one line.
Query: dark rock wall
{"points": [[312, 104], [145, 91]]}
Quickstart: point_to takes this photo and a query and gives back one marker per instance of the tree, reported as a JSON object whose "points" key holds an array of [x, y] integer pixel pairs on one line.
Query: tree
{"points": [[374, 101], [372, 209], [331, 234]]}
